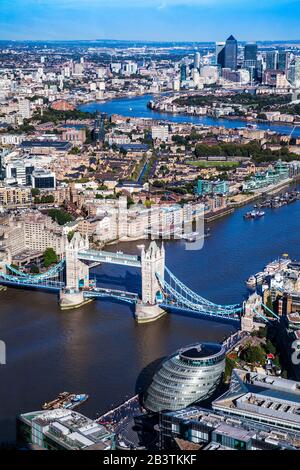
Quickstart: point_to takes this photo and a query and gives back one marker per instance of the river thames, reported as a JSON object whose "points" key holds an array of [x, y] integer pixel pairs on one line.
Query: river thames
{"points": [[137, 107], [99, 349]]}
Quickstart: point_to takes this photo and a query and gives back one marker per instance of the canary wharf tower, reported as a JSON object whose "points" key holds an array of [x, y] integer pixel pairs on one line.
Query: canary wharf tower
{"points": [[231, 49]]}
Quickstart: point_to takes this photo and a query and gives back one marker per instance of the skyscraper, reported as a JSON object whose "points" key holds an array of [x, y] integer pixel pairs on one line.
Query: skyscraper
{"points": [[271, 60], [250, 53], [197, 60], [282, 63], [250, 59], [231, 49], [220, 54], [183, 73], [294, 72]]}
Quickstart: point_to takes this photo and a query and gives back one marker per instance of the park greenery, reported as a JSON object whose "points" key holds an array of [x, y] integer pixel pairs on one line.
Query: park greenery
{"points": [[60, 216], [251, 150], [55, 116], [258, 103], [44, 199], [49, 257]]}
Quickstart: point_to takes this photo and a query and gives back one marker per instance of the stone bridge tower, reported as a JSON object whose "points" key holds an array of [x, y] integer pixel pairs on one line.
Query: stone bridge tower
{"points": [[77, 272], [152, 263]]}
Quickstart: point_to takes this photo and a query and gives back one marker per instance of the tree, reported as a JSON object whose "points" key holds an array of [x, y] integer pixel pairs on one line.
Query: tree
{"points": [[60, 216], [270, 348], [50, 257], [34, 269], [35, 191], [75, 151], [229, 366], [253, 354]]}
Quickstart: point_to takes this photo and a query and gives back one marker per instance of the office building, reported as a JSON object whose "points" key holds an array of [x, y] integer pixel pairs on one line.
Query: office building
{"points": [[271, 60], [294, 72], [212, 187], [129, 68], [250, 53], [197, 60], [24, 109], [62, 429], [262, 398], [43, 179], [231, 49], [183, 72], [220, 54], [160, 133], [250, 60], [195, 428], [19, 172], [282, 63], [189, 376]]}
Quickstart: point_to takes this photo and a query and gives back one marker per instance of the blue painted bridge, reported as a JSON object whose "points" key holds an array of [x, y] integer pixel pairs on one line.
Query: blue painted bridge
{"points": [[174, 294]]}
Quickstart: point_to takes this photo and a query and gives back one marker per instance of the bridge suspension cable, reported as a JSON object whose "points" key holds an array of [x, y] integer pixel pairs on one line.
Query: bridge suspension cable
{"points": [[181, 296], [194, 297], [52, 272]]}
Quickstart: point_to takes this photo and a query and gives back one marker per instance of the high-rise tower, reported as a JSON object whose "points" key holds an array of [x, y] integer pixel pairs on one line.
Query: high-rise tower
{"points": [[231, 49]]}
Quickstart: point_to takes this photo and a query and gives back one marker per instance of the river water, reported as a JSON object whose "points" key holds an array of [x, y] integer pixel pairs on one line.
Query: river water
{"points": [[137, 107], [99, 349]]}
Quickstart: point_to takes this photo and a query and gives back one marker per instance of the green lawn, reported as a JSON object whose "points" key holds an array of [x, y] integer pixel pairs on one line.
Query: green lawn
{"points": [[211, 164]]}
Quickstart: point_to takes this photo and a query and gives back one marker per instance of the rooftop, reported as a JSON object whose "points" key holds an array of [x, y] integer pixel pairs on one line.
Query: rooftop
{"points": [[262, 396], [69, 428], [200, 351]]}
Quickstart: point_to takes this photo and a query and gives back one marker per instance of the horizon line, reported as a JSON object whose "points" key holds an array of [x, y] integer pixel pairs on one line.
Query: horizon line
{"points": [[145, 40]]}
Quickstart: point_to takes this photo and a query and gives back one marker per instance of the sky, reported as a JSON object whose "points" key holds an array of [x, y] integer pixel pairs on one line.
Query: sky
{"points": [[159, 20]]}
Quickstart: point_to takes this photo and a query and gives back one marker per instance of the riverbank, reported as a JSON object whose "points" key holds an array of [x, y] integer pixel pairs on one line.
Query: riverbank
{"points": [[160, 107], [50, 351], [136, 107], [274, 189], [231, 117]]}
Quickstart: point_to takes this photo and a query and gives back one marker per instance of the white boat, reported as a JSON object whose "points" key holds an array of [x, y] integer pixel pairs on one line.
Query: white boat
{"points": [[277, 265]]}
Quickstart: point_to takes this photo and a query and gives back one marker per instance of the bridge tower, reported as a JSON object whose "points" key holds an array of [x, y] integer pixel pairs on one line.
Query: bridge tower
{"points": [[77, 273], [5, 258], [152, 263]]}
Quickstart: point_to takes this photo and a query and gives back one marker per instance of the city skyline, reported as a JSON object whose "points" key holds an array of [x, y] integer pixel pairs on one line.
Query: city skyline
{"points": [[200, 20]]}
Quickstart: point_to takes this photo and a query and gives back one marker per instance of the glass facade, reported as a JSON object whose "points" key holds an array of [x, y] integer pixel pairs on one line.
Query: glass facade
{"points": [[231, 53], [185, 378]]}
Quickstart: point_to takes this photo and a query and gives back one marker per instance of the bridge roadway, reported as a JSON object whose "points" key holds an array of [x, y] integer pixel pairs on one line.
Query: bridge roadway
{"points": [[49, 285], [131, 297], [110, 258]]}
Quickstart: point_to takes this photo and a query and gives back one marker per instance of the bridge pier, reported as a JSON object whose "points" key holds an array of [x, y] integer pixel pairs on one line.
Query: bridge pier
{"points": [[148, 313], [152, 264], [69, 299]]}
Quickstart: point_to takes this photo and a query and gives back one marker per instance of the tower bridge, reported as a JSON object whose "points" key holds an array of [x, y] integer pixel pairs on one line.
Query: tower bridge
{"points": [[161, 290]]}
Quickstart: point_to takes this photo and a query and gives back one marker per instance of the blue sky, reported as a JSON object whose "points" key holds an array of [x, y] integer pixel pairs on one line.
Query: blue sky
{"points": [[174, 20]]}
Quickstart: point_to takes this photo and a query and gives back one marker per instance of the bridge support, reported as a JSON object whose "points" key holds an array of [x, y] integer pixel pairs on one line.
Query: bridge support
{"points": [[77, 274], [152, 263]]}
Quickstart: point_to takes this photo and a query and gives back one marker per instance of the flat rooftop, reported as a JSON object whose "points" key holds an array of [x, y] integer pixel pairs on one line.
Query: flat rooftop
{"points": [[56, 144], [69, 428]]}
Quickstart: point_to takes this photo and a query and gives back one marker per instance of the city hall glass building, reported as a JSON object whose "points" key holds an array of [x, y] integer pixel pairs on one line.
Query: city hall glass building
{"points": [[189, 376]]}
